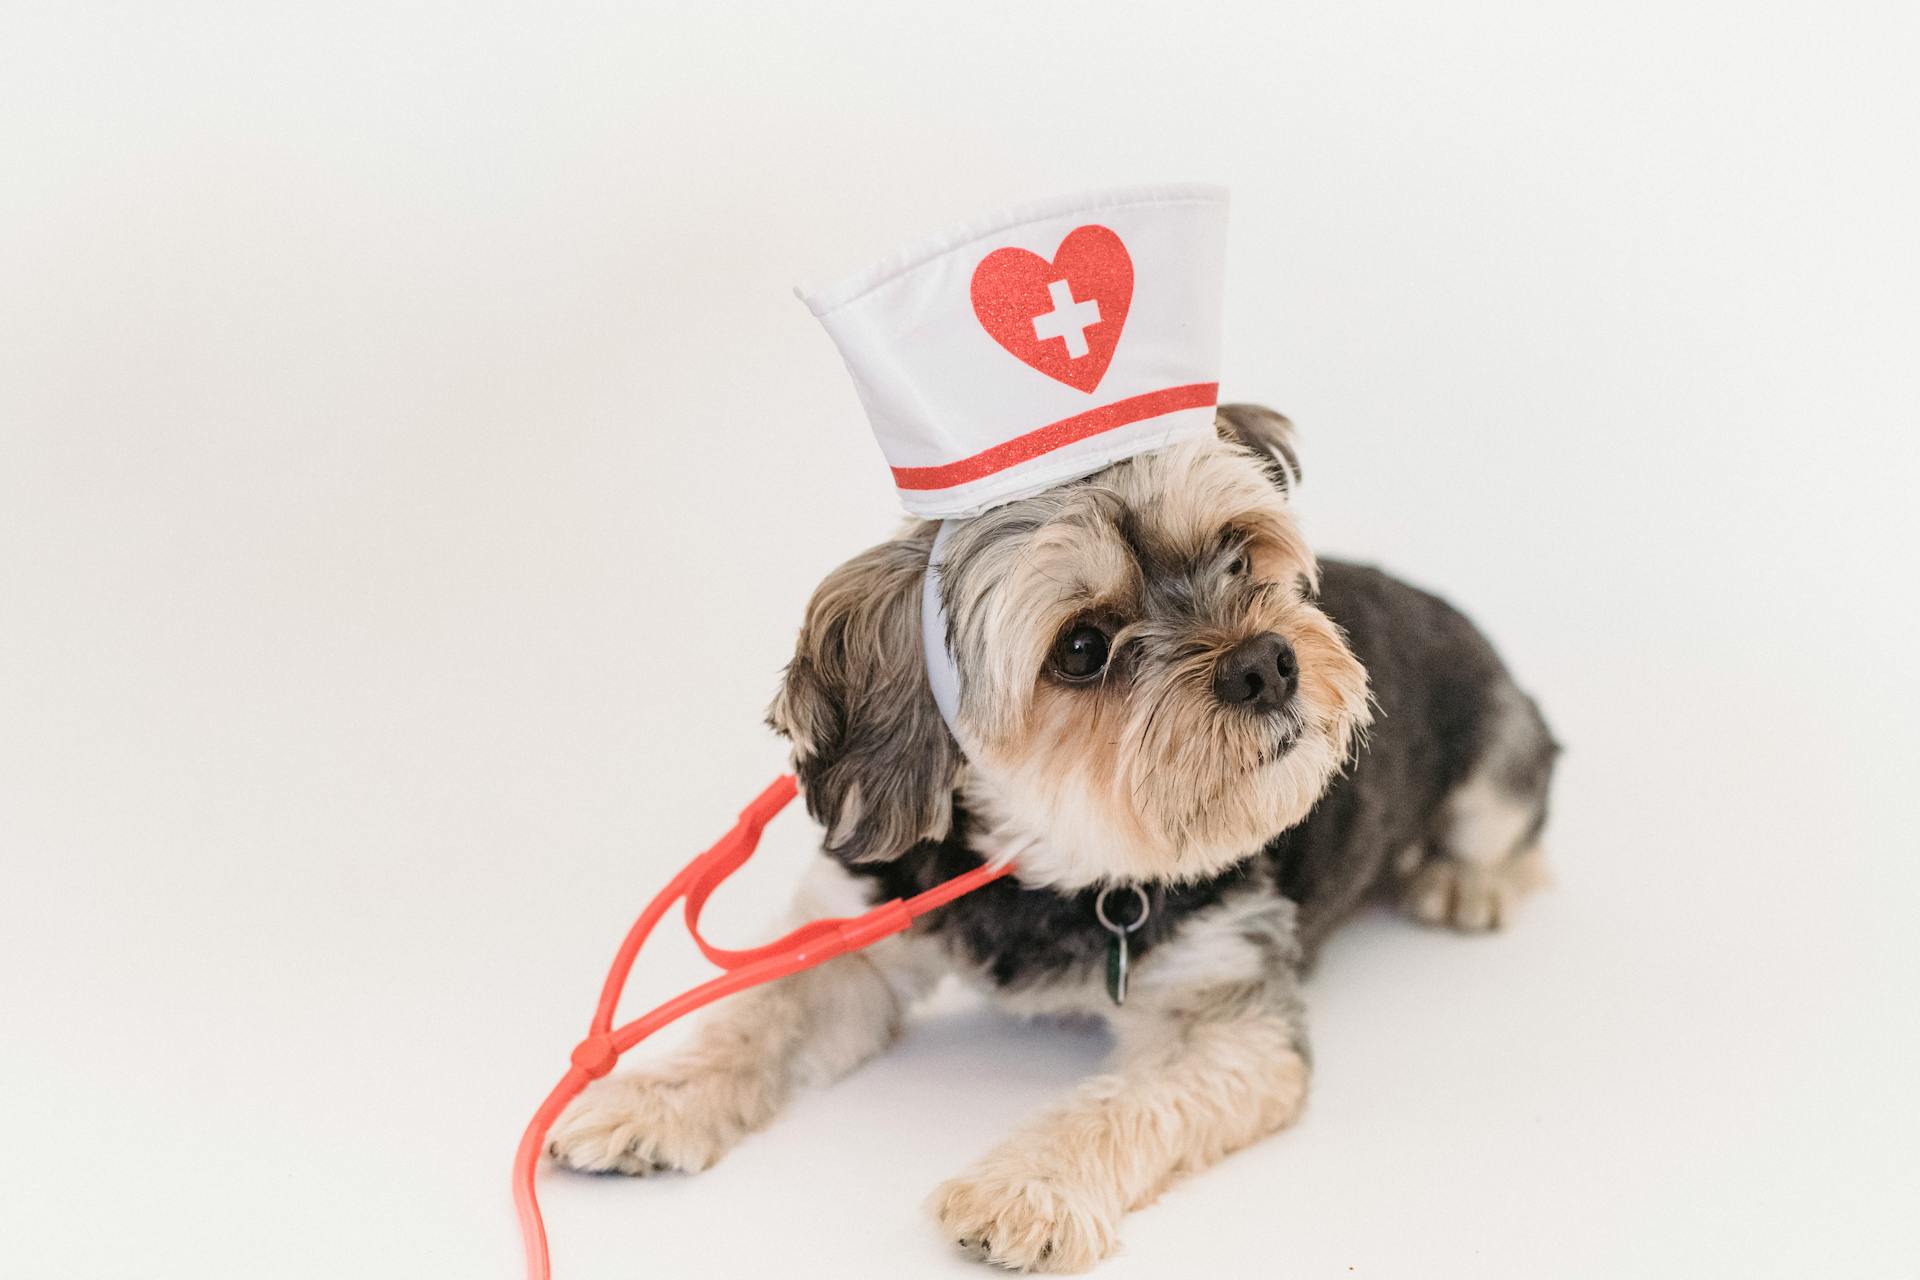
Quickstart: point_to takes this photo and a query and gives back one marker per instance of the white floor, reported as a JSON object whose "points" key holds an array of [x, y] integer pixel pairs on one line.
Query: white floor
{"points": [[412, 469]]}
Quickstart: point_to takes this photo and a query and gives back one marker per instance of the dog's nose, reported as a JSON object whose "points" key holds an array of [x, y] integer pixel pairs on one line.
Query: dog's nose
{"points": [[1259, 674]]}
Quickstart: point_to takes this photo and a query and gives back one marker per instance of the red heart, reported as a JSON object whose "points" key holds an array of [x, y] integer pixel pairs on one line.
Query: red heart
{"points": [[1062, 317]]}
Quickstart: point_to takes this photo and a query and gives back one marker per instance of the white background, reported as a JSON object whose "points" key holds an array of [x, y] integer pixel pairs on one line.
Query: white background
{"points": [[413, 467]]}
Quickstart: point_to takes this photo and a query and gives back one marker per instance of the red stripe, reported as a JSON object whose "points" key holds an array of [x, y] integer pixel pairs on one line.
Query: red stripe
{"points": [[1120, 413]]}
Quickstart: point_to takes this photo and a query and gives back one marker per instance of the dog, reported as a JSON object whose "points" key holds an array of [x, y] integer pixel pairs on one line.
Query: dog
{"points": [[1188, 732]]}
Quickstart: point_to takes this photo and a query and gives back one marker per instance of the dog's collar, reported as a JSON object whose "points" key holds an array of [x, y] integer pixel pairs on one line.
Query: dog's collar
{"points": [[943, 674]]}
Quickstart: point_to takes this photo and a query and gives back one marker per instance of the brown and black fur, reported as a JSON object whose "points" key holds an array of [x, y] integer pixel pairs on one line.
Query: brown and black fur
{"points": [[1441, 696], [1266, 740]]}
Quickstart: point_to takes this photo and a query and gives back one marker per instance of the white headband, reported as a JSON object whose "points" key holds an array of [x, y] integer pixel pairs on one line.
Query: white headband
{"points": [[943, 674]]}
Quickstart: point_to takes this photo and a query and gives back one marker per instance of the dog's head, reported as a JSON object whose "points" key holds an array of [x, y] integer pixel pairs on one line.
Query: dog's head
{"points": [[1147, 687]]}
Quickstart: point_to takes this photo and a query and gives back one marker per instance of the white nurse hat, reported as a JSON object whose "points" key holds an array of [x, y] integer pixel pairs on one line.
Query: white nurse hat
{"points": [[1039, 345], [1030, 349]]}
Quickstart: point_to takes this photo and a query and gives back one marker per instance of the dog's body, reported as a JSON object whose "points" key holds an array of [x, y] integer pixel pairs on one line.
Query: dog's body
{"points": [[1455, 772], [1211, 760]]}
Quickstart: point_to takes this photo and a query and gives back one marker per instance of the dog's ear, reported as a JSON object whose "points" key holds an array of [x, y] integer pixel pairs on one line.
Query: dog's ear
{"points": [[875, 759], [1268, 435]]}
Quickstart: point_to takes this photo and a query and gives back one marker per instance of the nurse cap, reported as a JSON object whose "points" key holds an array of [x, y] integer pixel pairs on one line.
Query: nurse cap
{"points": [[1039, 345]]}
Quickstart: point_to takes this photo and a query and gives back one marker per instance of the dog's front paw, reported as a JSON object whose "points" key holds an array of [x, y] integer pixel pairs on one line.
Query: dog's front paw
{"points": [[1470, 897], [1027, 1219], [646, 1123]]}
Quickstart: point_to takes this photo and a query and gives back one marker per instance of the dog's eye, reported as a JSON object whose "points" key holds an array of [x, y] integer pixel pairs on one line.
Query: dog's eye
{"points": [[1081, 652], [1235, 542]]}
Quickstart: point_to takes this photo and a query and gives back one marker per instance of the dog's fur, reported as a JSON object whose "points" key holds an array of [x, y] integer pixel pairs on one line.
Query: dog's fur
{"points": [[1405, 760]]}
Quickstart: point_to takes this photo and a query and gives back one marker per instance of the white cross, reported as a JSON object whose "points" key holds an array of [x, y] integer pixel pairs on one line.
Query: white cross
{"points": [[1068, 319]]}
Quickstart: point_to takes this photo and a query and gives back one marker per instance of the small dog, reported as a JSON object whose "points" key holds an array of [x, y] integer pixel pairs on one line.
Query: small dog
{"points": [[1179, 722]]}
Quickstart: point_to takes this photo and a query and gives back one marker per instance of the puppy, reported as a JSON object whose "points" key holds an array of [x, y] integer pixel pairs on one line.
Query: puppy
{"points": [[1188, 733]]}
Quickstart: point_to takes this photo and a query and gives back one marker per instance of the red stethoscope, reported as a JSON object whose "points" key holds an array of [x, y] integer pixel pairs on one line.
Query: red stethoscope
{"points": [[803, 948]]}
